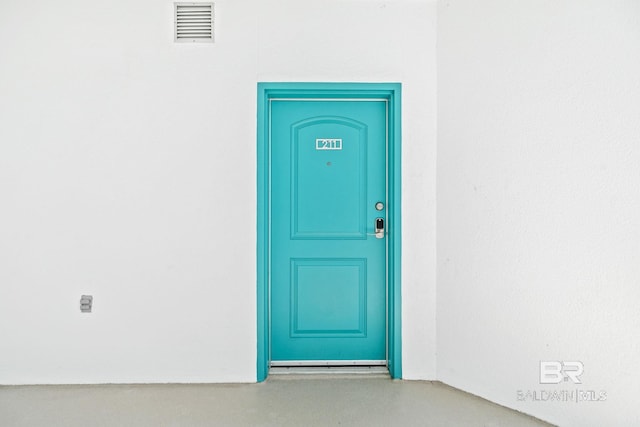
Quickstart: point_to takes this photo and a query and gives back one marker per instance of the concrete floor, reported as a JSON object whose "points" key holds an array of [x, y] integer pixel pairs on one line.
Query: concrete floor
{"points": [[283, 400]]}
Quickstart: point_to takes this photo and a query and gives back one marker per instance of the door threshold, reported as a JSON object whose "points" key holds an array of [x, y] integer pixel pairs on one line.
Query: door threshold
{"points": [[381, 371], [325, 363]]}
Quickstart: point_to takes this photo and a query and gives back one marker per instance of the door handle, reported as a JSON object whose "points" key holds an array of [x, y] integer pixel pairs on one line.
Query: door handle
{"points": [[379, 228]]}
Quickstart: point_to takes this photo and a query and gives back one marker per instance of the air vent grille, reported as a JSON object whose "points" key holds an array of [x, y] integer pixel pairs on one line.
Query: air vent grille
{"points": [[194, 22]]}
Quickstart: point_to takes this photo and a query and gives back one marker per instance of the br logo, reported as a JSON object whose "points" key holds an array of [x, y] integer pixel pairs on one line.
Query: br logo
{"points": [[554, 371]]}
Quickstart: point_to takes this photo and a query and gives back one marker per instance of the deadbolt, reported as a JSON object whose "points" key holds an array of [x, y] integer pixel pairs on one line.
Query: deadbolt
{"points": [[379, 206]]}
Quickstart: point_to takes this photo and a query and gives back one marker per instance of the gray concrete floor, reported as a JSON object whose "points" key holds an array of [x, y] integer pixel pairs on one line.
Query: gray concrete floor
{"points": [[283, 400]]}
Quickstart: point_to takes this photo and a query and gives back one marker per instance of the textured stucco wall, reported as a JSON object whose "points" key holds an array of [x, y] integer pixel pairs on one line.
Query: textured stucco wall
{"points": [[128, 171], [538, 204]]}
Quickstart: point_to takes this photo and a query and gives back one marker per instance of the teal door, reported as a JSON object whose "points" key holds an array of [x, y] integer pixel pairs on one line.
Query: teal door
{"points": [[328, 241]]}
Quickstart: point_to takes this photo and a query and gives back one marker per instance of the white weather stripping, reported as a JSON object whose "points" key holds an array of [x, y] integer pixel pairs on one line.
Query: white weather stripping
{"points": [[194, 22]]}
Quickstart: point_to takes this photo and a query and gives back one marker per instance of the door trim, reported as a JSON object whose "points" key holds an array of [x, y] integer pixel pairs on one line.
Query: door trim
{"points": [[390, 92]]}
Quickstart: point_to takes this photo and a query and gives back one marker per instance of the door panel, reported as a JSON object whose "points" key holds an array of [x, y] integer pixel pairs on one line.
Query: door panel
{"points": [[337, 308], [328, 270], [318, 171]]}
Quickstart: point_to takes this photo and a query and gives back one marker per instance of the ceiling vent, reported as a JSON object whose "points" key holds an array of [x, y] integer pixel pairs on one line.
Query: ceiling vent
{"points": [[194, 22]]}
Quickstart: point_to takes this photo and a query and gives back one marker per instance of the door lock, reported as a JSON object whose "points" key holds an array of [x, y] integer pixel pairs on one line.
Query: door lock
{"points": [[379, 228]]}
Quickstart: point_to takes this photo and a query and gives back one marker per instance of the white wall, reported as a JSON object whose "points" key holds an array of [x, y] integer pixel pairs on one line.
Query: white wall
{"points": [[539, 202], [128, 169]]}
